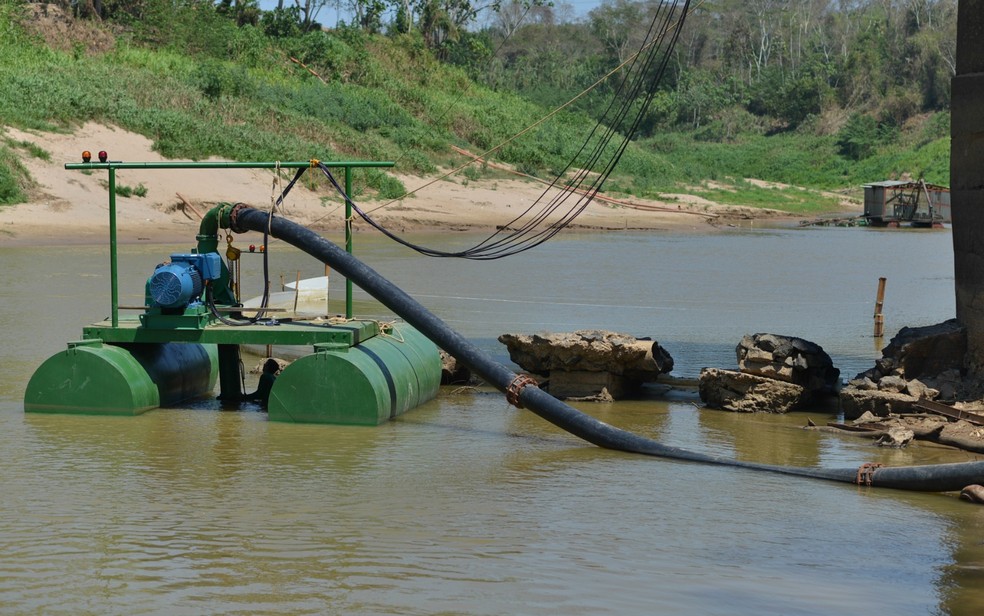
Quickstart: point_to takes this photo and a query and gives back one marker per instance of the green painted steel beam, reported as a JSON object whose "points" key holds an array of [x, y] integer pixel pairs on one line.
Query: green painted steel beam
{"points": [[225, 164], [348, 238], [113, 258], [299, 334], [206, 240]]}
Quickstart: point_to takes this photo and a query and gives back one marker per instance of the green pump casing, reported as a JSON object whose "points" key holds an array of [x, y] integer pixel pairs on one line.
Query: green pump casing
{"points": [[367, 384]]}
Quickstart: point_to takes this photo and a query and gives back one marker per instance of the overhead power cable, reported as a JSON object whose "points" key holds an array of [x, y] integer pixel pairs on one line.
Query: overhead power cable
{"points": [[594, 161]]}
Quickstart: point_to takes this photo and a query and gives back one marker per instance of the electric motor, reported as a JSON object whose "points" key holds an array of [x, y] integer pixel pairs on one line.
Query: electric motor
{"points": [[181, 282]]}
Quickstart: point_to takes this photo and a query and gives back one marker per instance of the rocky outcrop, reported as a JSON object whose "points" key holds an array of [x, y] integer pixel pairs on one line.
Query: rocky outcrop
{"points": [[917, 352], [740, 392], [454, 372], [788, 359], [776, 374], [880, 403], [918, 363], [585, 363]]}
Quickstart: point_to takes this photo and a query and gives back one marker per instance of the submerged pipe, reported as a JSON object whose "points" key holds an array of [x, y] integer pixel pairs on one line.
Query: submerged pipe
{"points": [[934, 478]]}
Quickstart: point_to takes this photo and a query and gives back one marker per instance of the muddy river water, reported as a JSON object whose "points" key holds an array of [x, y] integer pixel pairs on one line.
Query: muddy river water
{"points": [[467, 505]]}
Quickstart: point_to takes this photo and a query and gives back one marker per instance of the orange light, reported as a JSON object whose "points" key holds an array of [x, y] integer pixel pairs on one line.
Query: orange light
{"points": [[262, 247], [86, 156]]}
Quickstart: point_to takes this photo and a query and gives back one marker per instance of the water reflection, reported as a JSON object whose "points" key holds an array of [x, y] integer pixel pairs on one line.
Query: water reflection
{"points": [[963, 577]]}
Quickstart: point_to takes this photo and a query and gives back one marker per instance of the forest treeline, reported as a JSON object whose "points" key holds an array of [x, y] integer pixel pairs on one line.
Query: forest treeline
{"points": [[740, 65], [820, 93]]}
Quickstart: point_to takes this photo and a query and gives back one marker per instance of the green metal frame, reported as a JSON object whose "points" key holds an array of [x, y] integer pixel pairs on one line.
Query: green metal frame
{"points": [[339, 335], [112, 166], [359, 372]]}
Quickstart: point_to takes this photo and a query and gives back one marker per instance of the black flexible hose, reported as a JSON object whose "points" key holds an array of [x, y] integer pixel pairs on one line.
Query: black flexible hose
{"points": [[934, 478]]}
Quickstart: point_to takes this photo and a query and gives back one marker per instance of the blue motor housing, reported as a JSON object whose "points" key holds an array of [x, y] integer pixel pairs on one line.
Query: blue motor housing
{"points": [[181, 282]]}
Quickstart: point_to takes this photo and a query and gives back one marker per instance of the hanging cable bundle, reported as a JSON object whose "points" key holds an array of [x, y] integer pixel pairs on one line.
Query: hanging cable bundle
{"points": [[595, 159]]}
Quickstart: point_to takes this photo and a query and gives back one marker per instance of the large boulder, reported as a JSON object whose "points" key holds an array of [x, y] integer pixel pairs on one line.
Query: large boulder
{"points": [[926, 351], [776, 374], [918, 363], [788, 359], [741, 392], [585, 362], [454, 372], [855, 402]]}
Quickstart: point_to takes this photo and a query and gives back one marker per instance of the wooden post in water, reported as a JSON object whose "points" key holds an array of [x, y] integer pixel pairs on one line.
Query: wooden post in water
{"points": [[879, 302]]}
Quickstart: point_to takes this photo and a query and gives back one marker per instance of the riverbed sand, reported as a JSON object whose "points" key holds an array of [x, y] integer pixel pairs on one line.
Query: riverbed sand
{"points": [[71, 206]]}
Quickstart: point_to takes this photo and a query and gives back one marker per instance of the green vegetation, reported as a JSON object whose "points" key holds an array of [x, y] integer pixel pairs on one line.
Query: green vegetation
{"points": [[128, 191], [31, 148], [860, 95], [13, 178]]}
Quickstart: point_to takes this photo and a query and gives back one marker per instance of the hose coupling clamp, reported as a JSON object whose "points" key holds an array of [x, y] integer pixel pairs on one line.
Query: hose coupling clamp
{"points": [[516, 387], [866, 473], [234, 213]]}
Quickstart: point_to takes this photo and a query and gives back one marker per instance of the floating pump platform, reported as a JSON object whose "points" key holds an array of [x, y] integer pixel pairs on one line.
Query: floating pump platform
{"points": [[188, 336], [359, 373]]}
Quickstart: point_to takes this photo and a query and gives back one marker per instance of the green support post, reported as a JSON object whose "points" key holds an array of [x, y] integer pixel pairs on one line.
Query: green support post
{"points": [[114, 284], [348, 238]]}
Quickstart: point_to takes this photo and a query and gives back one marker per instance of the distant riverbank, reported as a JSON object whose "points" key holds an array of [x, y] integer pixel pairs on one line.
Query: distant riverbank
{"points": [[71, 207]]}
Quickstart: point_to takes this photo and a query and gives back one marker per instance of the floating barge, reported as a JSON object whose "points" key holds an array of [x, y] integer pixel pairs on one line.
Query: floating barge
{"points": [[187, 337], [895, 203]]}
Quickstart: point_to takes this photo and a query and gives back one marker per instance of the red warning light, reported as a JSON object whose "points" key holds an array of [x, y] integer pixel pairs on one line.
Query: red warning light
{"points": [[103, 156], [86, 156], [252, 247]]}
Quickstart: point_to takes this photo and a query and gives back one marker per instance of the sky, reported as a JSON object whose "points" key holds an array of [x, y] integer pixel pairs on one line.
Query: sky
{"points": [[329, 17]]}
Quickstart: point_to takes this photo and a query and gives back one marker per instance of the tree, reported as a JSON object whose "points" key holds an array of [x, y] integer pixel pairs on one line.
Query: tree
{"points": [[368, 14], [515, 14], [243, 11], [309, 10], [860, 137], [699, 95], [617, 24], [435, 23], [443, 21]]}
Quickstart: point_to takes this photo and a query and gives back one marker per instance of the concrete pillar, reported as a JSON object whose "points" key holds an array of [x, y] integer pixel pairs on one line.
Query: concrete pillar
{"points": [[967, 178]]}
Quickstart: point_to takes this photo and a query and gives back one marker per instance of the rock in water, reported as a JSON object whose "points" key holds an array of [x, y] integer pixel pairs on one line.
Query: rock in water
{"points": [[919, 362], [583, 363], [789, 359], [740, 392], [928, 351]]}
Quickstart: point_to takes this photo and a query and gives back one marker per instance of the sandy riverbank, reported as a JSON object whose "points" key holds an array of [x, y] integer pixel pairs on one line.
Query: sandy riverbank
{"points": [[72, 207]]}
